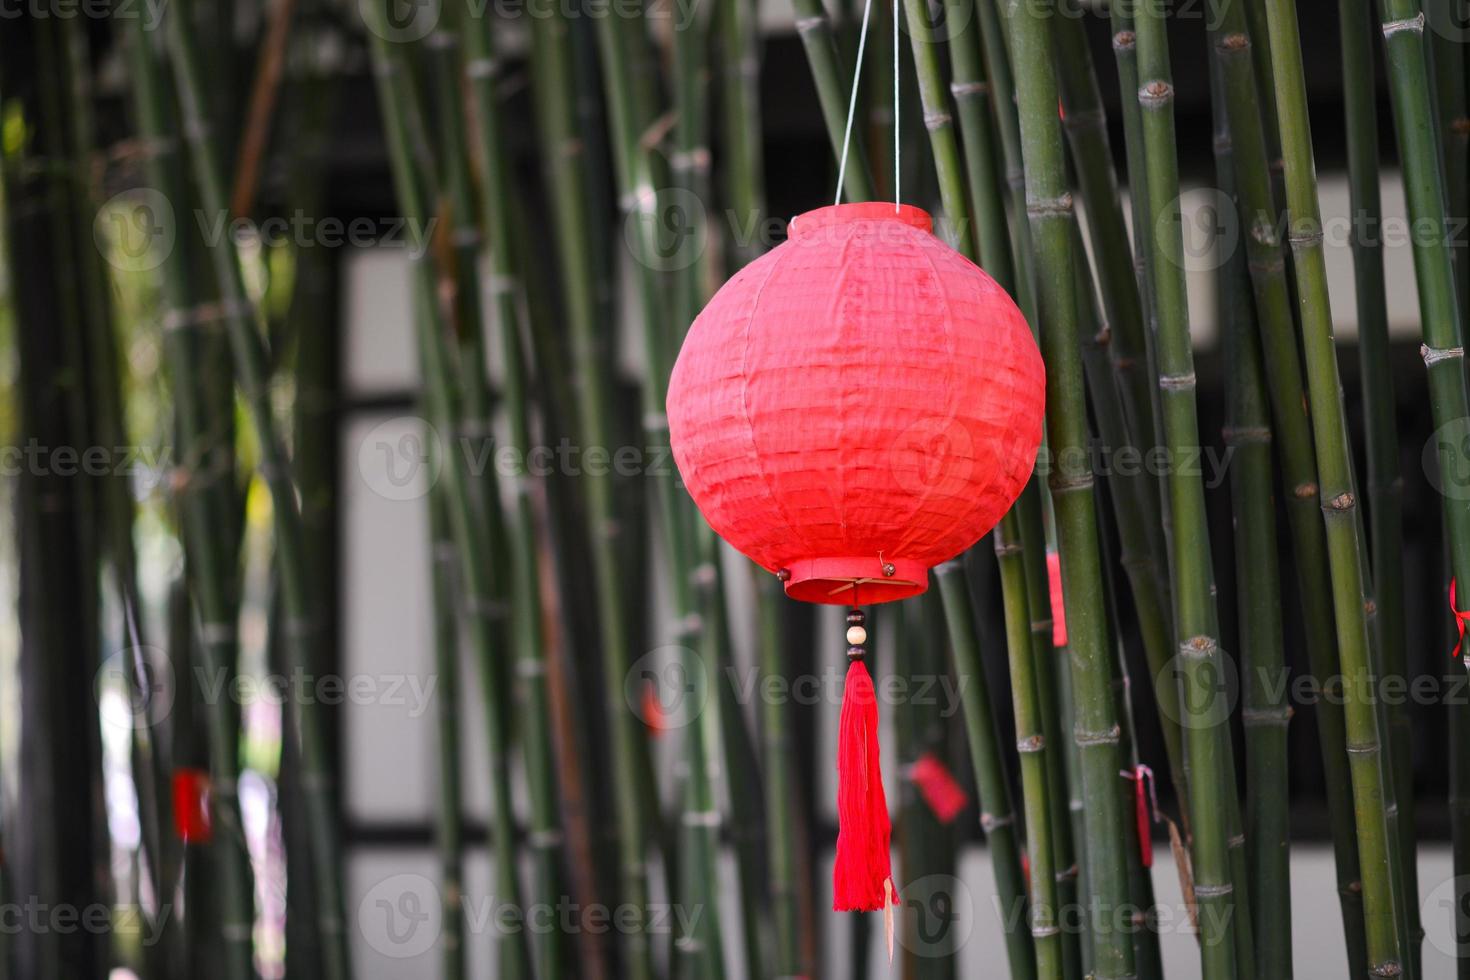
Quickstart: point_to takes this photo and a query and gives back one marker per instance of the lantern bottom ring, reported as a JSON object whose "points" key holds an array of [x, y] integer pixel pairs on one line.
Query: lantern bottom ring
{"points": [[851, 581]]}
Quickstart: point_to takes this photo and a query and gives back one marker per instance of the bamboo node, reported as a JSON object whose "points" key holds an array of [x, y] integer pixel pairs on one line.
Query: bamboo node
{"points": [[1033, 743], [1369, 607], [1042, 932], [1061, 483], [1309, 237], [1389, 968], [1352, 888], [1433, 355], [1305, 491], [690, 625], [946, 567], [530, 668], [1006, 548], [1246, 435], [1049, 207], [213, 633], [481, 68], [1342, 502], [701, 818], [491, 609], [1199, 646], [1103, 337], [1156, 94], [1068, 874], [990, 822], [1124, 41], [703, 575], [1110, 737], [1261, 717], [1236, 41], [1213, 891], [962, 89], [1041, 625], [1177, 382], [1085, 119], [1460, 126], [1414, 24], [807, 24], [935, 120], [655, 422], [545, 840]]}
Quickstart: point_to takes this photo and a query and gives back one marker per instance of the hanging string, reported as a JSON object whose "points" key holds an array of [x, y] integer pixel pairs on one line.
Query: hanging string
{"points": [[897, 172], [852, 107], [857, 73]]}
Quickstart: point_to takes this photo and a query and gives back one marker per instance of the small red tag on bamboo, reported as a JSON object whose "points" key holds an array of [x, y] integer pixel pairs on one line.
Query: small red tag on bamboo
{"points": [[191, 806], [1143, 807], [653, 709], [861, 877], [1460, 617], [1058, 607], [945, 796]]}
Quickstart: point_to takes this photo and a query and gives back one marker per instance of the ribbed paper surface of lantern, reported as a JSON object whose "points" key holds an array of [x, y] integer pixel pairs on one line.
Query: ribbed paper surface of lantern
{"points": [[861, 396]]}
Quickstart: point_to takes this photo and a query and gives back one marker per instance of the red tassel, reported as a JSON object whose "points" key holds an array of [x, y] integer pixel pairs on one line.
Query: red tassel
{"points": [[861, 880]]}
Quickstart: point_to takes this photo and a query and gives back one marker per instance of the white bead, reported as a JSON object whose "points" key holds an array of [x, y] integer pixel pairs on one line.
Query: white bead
{"points": [[856, 636]]}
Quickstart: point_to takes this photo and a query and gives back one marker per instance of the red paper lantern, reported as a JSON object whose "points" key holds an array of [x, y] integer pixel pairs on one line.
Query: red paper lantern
{"points": [[851, 409], [857, 405]]}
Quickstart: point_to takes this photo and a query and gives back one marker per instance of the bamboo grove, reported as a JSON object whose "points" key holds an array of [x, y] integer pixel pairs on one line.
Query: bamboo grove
{"points": [[576, 179]]}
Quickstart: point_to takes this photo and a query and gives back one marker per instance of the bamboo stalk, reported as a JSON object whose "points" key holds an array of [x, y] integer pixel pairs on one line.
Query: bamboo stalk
{"points": [[1031, 743], [1026, 958], [971, 93], [528, 637], [207, 564], [466, 520], [1385, 484], [994, 43], [1206, 716], [1340, 513], [562, 149], [745, 174], [701, 820], [833, 87], [1096, 731], [1265, 710], [449, 819], [1292, 432], [1085, 123]]}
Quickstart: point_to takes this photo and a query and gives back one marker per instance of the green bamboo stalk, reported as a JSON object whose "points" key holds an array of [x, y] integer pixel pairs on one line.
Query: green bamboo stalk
{"points": [[250, 361], [466, 519], [562, 147], [1085, 124], [1385, 484], [1206, 716], [1447, 64], [1266, 714], [449, 819], [208, 563], [1429, 192], [1025, 956], [834, 85], [745, 176], [1292, 432], [1031, 743], [701, 820], [776, 749], [971, 93], [1096, 731], [954, 225], [493, 172], [1381, 920], [994, 43], [149, 766]]}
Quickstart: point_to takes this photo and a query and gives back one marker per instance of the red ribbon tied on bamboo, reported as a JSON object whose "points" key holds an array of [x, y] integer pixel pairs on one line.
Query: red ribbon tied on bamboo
{"points": [[854, 407]]}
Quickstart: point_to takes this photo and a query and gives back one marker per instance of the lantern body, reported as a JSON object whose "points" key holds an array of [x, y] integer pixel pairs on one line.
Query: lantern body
{"points": [[857, 405]]}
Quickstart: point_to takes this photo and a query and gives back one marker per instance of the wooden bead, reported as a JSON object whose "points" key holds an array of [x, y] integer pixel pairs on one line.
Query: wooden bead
{"points": [[856, 635]]}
